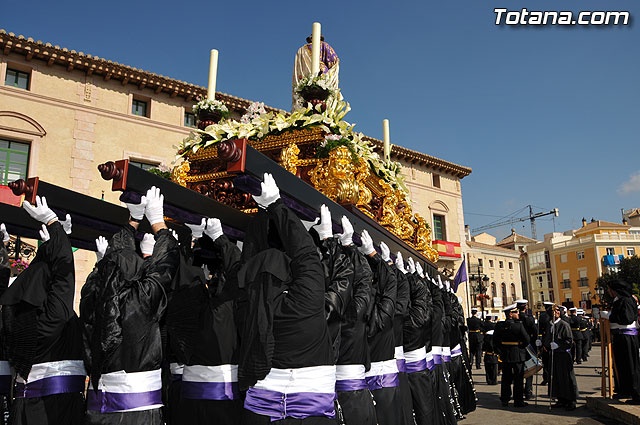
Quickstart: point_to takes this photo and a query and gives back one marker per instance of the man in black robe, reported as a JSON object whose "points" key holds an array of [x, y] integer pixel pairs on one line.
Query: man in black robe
{"points": [[202, 327], [510, 339], [122, 304], [286, 358], [354, 397], [5, 369], [41, 331], [382, 377], [476, 336], [623, 320], [558, 341]]}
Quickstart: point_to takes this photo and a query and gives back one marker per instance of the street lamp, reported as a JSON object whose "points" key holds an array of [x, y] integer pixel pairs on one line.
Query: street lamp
{"points": [[481, 287]]}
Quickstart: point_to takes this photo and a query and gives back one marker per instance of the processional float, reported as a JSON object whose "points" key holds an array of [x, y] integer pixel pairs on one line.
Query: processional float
{"points": [[314, 155]]}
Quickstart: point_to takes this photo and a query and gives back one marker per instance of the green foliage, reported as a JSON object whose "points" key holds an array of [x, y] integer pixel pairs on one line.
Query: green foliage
{"points": [[629, 272], [160, 173], [329, 145]]}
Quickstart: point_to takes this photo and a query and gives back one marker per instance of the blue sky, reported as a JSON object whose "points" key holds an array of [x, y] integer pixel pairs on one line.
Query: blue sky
{"points": [[545, 116]]}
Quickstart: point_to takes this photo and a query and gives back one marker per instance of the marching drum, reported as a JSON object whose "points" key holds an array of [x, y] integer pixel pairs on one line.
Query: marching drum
{"points": [[533, 364]]}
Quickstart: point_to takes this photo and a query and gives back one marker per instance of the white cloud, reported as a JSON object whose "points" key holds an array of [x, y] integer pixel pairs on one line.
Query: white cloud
{"points": [[631, 185]]}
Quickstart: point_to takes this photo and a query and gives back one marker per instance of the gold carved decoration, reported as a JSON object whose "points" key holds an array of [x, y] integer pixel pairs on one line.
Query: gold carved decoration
{"points": [[335, 178], [180, 173], [289, 158]]}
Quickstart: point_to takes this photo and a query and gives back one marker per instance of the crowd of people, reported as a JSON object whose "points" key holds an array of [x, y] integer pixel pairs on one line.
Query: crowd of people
{"points": [[295, 325]]}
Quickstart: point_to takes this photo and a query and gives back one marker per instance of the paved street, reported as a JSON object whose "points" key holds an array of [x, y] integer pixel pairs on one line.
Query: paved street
{"points": [[491, 411]]}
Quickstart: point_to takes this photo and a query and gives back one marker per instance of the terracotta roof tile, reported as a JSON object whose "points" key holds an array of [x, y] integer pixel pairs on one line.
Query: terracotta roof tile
{"points": [[601, 223], [479, 245]]}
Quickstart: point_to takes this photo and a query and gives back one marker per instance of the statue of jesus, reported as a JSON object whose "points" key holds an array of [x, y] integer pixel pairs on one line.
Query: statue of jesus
{"points": [[329, 64]]}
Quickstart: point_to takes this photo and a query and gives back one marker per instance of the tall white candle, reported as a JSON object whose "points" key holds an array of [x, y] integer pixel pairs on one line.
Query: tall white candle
{"points": [[213, 74], [387, 143], [315, 49]]}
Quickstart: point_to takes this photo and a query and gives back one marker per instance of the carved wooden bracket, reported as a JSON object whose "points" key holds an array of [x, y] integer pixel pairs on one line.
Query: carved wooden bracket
{"points": [[27, 188], [116, 171], [233, 153]]}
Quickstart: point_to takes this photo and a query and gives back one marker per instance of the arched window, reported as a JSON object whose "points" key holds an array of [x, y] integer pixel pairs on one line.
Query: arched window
{"points": [[504, 292], [513, 291], [493, 290]]}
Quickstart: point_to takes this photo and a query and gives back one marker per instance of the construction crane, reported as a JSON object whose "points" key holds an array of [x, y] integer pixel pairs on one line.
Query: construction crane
{"points": [[532, 219]]}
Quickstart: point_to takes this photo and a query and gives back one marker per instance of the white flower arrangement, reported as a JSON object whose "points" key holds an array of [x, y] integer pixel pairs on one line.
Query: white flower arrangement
{"points": [[211, 105], [256, 125], [320, 81]]}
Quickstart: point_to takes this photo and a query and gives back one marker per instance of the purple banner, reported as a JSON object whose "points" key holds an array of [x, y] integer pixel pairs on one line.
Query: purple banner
{"points": [[377, 382], [210, 390], [418, 366], [113, 402], [51, 385], [351, 385], [294, 405]]}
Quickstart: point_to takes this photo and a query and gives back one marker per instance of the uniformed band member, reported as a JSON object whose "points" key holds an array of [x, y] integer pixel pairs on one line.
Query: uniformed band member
{"points": [[558, 342], [476, 335], [575, 322], [544, 326], [529, 324], [585, 334], [510, 339], [623, 319], [490, 355]]}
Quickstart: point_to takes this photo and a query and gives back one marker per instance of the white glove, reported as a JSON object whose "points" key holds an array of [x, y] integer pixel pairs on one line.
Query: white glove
{"points": [[137, 210], [605, 314], [5, 234], [66, 224], [384, 252], [41, 212], [538, 343], [324, 227], [554, 346], [197, 229], [419, 270], [147, 244], [367, 243], [400, 262], [440, 285], [447, 285], [101, 245], [154, 201], [213, 229], [44, 233], [411, 266], [347, 232], [270, 192], [174, 234]]}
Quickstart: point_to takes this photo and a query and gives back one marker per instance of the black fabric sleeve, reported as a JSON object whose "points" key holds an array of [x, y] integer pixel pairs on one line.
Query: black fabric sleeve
{"points": [[417, 309], [229, 253], [339, 280], [124, 239], [159, 273], [363, 294], [5, 268], [624, 311], [58, 307], [385, 286]]}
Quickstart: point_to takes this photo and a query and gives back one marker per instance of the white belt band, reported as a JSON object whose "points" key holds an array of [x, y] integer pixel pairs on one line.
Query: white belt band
{"points": [[383, 368], [349, 371], [314, 379], [135, 382], [399, 353], [221, 373], [416, 355], [49, 369], [429, 356], [615, 325], [176, 368]]}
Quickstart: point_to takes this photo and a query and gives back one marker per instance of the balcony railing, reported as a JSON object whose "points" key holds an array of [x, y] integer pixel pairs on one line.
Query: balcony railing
{"points": [[566, 284], [583, 281]]}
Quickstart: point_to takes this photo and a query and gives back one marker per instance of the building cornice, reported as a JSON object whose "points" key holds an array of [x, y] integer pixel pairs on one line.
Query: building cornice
{"points": [[109, 70]]}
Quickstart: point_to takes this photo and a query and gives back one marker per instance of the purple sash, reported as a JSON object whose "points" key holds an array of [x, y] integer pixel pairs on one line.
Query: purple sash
{"points": [[418, 366], [113, 402], [430, 364], [52, 385], [377, 382], [401, 365], [210, 390], [437, 359], [625, 331], [351, 385], [278, 406], [456, 351]]}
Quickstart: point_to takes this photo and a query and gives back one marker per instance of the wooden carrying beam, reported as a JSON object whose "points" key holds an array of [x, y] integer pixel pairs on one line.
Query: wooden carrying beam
{"points": [[188, 206]]}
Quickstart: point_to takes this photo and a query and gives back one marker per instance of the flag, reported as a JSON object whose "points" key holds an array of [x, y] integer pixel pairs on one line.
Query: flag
{"points": [[461, 275]]}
